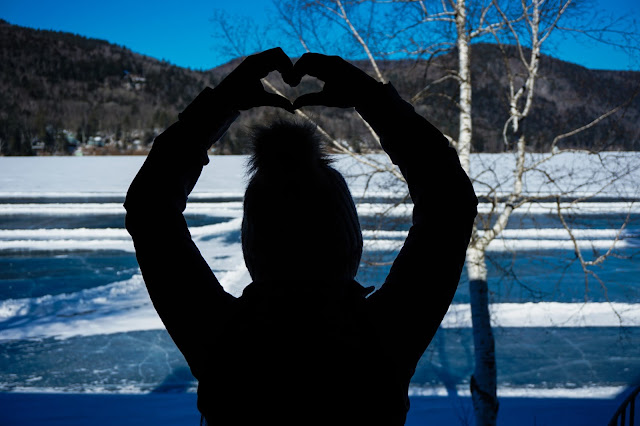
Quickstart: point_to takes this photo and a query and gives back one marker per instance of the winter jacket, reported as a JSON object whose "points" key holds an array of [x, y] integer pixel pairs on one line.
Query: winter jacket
{"points": [[293, 350]]}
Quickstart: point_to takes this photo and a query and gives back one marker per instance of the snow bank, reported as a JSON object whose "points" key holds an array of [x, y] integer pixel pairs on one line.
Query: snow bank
{"points": [[232, 209], [591, 392], [549, 314]]}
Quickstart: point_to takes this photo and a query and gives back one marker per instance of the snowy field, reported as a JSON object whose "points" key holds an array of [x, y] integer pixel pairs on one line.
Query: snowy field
{"points": [[75, 316]]}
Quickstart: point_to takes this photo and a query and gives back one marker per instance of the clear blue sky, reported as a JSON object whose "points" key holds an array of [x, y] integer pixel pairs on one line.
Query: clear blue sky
{"points": [[181, 31]]}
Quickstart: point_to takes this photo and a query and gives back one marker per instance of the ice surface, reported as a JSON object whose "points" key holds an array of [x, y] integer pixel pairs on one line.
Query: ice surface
{"points": [[42, 193], [578, 173], [103, 175], [125, 306]]}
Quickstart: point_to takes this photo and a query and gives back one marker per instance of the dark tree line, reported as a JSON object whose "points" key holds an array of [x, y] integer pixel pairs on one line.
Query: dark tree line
{"points": [[54, 81]]}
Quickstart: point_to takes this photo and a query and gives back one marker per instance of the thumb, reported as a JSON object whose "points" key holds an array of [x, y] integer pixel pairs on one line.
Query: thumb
{"points": [[318, 98], [271, 99]]}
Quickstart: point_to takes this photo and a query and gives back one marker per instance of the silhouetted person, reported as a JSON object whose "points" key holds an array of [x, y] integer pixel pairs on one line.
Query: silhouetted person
{"points": [[305, 343]]}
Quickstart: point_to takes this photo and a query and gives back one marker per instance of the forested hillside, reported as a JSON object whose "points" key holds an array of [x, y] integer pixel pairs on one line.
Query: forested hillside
{"points": [[62, 92]]}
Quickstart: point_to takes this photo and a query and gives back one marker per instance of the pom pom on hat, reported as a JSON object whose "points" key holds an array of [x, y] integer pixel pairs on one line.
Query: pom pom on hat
{"points": [[286, 147]]}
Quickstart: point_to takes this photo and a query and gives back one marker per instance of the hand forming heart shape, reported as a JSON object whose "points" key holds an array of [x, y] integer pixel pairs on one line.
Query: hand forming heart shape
{"points": [[345, 85]]}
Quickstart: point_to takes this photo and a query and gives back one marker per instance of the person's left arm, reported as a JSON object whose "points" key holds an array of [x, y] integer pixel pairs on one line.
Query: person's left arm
{"points": [[183, 289]]}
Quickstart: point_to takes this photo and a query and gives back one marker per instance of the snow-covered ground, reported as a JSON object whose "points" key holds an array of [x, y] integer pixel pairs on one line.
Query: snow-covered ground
{"points": [[577, 173]]}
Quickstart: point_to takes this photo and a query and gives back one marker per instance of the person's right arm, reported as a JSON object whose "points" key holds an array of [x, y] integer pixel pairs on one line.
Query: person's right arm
{"points": [[423, 279]]}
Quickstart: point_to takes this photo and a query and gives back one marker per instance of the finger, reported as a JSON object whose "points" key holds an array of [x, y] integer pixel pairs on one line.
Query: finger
{"points": [[318, 98], [313, 64], [270, 60], [271, 99]]}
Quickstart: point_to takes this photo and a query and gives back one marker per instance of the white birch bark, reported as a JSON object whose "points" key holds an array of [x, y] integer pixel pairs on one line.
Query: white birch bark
{"points": [[483, 381], [464, 72], [484, 378]]}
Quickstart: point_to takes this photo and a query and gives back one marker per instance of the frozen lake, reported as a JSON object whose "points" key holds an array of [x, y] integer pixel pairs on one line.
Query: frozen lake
{"points": [[75, 316]]}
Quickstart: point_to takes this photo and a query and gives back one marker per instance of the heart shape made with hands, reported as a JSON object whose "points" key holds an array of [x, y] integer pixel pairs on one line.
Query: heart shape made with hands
{"points": [[276, 83], [344, 84]]}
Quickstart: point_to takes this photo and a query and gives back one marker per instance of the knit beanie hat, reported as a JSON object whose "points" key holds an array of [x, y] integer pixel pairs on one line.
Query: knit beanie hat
{"points": [[300, 221]]}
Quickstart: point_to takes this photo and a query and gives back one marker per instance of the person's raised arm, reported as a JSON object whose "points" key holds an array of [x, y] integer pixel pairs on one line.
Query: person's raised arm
{"points": [[184, 290], [424, 277]]}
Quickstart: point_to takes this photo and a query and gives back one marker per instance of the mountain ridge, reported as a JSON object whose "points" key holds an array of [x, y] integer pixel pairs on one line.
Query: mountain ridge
{"points": [[62, 91]]}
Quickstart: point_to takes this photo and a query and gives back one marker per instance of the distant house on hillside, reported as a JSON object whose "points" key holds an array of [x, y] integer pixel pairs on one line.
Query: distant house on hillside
{"points": [[59, 141], [37, 145], [96, 141], [133, 81]]}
